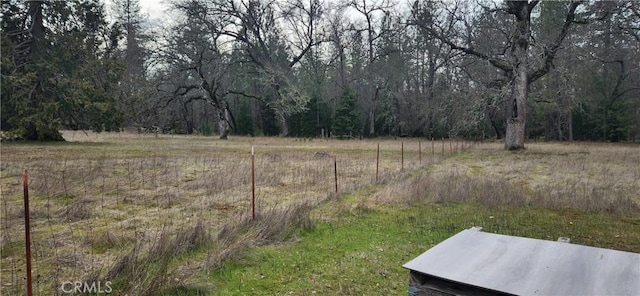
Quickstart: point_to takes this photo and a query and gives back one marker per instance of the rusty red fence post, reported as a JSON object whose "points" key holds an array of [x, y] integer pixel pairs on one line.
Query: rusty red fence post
{"points": [[335, 172], [377, 161], [27, 230], [253, 184]]}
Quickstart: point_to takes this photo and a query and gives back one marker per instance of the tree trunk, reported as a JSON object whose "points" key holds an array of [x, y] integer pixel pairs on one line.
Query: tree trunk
{"points": [[570, 124], [516, 123], [284, 127], [372, 123], [372, 114], [188, 117], [559, 128], [223, 124]]}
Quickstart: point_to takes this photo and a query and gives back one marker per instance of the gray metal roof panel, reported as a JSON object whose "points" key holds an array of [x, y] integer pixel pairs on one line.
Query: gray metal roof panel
{"points": [[525, 266]]}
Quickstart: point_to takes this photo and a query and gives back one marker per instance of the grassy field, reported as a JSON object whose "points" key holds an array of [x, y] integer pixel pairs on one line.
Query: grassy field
{"points": [[170, 215]]}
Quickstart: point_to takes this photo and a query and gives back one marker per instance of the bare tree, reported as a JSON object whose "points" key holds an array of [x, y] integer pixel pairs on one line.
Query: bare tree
{"points": [[374, 13], [197, 63], [517, 69], [259, 28], [429, 58]]}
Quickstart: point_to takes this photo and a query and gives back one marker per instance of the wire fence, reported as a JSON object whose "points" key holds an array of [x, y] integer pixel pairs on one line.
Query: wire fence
{"points": [[86, 212]]}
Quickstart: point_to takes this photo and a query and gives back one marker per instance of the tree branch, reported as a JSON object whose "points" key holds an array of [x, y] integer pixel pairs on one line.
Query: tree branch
{"points": [[533, 4], [297, 58], [549, 53], [241, 93], [496, 62]]}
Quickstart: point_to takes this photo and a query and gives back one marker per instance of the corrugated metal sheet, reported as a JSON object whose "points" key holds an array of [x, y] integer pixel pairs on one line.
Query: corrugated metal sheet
{"points": [[524, 266]]}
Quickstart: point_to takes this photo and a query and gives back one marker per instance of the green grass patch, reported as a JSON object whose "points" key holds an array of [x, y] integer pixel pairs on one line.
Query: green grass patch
{"points": [[352, 197], [183, 291], [361, 250], [12, 248]]}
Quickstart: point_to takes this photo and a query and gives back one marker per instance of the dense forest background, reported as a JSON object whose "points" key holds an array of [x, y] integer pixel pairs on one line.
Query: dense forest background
{"points": [[309, 68]]}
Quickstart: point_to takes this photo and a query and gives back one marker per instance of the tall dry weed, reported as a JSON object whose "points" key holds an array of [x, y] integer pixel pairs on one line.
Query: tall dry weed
{"points": [[496, 192]]}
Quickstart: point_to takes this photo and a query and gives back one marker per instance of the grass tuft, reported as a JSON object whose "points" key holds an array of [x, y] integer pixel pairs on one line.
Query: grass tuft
{"points": [[103, 241], [78, 210]]}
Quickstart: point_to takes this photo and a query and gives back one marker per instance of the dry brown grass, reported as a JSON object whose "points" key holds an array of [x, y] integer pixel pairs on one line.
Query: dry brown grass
{"points": [[102, 202], [150, 211], [589, 177]]}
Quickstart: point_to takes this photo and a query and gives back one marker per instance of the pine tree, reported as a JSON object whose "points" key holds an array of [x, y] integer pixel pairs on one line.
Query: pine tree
{"points": [[347, 121], [46, 86]]}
